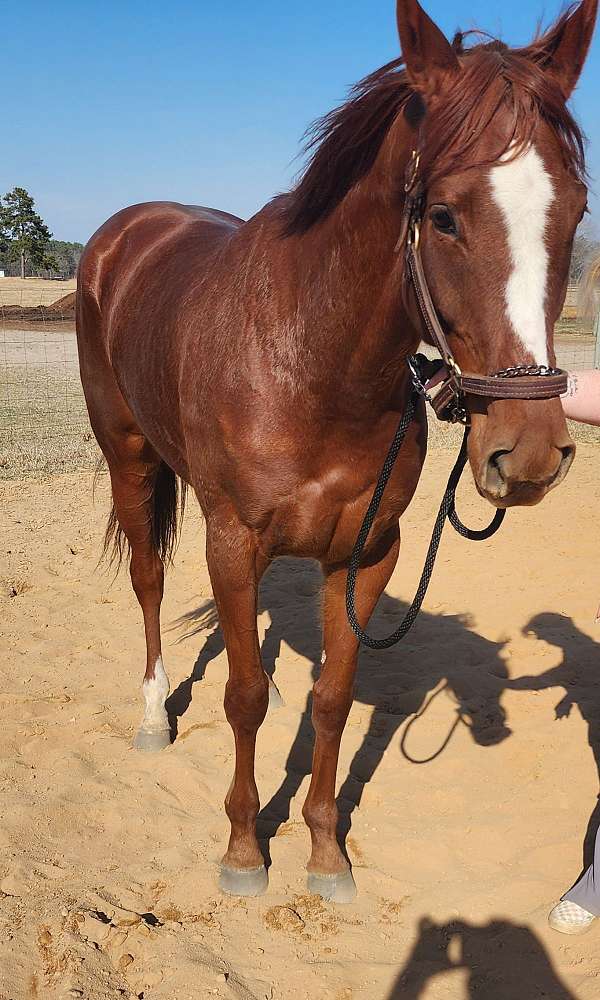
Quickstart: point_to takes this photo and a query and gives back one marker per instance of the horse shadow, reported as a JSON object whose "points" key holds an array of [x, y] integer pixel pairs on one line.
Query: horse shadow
{"points": [[504, 961], [578, 674], [441, 656]]}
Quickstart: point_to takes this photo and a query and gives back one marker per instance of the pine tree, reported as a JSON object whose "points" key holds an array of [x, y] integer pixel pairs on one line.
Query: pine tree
{"points": [[25, 232]]}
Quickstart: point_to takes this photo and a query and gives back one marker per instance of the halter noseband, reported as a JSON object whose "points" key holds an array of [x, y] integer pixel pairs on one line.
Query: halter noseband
{"points": [[449, 403]]}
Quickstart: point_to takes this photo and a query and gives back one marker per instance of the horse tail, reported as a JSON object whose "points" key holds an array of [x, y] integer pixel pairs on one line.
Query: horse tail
{"points": [[168, 506], [167, 509]]}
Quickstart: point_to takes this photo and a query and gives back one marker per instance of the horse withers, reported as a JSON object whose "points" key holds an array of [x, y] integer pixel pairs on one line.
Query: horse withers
{"points": [[263, 363]]}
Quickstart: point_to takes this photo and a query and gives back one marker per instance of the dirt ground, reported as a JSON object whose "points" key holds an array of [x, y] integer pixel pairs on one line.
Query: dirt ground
{"points": [[467, 819]]}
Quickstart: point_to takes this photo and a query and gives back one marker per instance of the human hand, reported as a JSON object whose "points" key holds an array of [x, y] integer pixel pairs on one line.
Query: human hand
{"points": [[563, 709]]}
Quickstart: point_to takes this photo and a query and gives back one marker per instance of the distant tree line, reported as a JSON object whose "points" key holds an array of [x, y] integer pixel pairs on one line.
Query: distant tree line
{"points": [[66, 258], [27, 247]]}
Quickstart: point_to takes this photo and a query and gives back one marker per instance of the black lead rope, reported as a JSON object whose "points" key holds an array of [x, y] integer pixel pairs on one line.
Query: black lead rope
{"points": [[447, 510]]}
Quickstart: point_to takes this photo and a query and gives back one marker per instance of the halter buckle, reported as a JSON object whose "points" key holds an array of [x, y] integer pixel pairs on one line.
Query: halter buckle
{"points": [[455, 375], [454, 367]]}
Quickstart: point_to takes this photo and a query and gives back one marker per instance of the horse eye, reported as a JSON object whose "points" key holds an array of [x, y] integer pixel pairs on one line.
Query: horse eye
{"points": [[443, 220]]}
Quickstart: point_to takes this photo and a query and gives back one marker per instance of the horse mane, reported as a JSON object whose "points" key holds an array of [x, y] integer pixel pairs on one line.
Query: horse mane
{"points": [[344, 144]]}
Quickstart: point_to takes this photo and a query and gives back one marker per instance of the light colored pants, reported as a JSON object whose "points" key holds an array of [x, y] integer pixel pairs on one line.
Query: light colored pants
{"points": [[586, 892]]}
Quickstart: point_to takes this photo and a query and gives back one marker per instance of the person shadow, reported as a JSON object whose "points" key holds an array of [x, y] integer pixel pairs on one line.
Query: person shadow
{"points": [[503, 961], [442, 657], [578, 674]]}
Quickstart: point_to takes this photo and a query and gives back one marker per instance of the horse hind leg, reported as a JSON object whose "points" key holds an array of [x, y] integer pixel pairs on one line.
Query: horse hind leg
{"points": [[145, 503]]}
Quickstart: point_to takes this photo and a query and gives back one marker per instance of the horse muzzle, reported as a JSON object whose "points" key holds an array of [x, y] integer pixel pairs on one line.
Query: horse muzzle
{"points": [[522, 475]]}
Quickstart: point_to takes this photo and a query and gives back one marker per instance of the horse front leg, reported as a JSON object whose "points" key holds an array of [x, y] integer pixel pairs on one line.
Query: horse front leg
{"points": [[329, 874], [235, 569]]}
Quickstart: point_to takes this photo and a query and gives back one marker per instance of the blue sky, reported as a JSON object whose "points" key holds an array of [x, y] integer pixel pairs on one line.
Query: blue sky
{"points": [[116, 102]]}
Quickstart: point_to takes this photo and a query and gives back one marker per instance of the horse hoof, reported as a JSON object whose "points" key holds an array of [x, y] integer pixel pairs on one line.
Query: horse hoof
{"points": [[275, 699], [243, 881], [339, 888], [151, 742]]}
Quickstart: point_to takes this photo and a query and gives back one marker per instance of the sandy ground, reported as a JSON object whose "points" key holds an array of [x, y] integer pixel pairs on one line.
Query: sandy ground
{"points": [[108, 856]]}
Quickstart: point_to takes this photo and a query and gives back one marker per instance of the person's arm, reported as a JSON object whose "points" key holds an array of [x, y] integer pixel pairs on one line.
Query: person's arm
{"points": [[555, 677], [582, 399]]}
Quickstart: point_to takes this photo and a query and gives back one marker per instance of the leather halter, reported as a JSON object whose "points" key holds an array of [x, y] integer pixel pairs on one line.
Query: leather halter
{"points": [[449, 403]]}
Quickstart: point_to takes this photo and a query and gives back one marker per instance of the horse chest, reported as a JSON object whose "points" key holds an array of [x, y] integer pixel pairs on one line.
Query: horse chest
{"points": [[324, 515]]}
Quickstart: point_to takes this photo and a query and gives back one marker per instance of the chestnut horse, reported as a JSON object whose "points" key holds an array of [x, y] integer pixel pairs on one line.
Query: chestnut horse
{"points": [[263, 363]]}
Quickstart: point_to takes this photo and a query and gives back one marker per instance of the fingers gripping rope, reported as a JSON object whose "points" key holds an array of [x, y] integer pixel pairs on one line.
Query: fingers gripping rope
{"points": [[447, 510]]}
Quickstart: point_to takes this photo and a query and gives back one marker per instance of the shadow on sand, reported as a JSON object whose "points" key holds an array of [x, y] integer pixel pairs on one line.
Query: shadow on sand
{"points": [[502, 961], [578, 674], [441, 650]]}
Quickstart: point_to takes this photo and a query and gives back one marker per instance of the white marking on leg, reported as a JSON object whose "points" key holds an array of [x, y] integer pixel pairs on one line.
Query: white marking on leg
{"points": [[155, 691], [524, 193]]}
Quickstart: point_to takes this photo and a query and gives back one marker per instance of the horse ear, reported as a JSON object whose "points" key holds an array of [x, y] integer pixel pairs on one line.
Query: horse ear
{"points": [[568, 44], [428, 55]]}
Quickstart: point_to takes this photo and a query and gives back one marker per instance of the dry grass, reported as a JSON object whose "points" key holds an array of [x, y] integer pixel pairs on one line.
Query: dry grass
{"points": [[29, 292], [572, 324], [44, 426]]}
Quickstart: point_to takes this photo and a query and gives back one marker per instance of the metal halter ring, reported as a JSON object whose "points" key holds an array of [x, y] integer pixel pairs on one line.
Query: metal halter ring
{"points": [[417, 378]]}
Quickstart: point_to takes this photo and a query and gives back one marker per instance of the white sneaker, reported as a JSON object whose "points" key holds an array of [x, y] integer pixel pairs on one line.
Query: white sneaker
{"points": [[570, 918]]}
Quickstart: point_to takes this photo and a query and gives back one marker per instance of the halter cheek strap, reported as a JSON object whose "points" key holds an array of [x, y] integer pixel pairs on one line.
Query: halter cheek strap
{"points": [[518, 382]]}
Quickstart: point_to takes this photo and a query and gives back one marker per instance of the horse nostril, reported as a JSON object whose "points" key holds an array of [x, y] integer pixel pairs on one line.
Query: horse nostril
{"points": [[568, 452], [495, 479], [495, 462]]}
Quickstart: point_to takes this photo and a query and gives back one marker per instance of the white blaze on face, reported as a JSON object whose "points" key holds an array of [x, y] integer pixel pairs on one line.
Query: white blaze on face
{"points": [[524, 192], [156, 691]]}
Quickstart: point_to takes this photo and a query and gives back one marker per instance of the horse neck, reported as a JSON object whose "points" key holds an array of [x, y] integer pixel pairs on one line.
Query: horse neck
{"points": [[350, 287]]}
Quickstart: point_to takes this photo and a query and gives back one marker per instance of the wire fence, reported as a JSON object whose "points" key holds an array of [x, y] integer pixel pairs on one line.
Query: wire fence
{"points": [[44, 428], [577, 337]]}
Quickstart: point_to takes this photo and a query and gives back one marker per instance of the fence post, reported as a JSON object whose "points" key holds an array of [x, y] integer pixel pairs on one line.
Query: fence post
{"points": [[597, 343]]}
